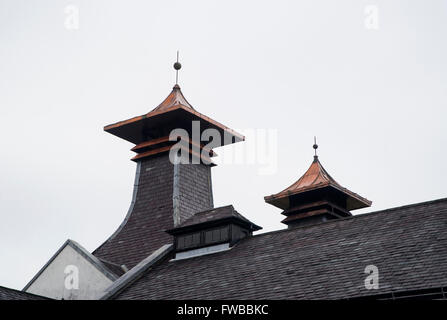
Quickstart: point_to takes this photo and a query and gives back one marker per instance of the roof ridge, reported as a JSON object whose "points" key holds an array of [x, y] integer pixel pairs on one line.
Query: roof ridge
{"points": [[360, 215]]}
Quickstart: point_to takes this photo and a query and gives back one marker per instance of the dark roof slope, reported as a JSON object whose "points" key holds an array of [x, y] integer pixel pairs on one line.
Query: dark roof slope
{"points": [[213, 214], [150, 213], [12, 294], [325, 261], [112, 267]]}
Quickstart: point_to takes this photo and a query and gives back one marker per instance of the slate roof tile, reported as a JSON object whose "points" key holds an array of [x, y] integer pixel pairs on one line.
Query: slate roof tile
{"points": [[12, 294], [324, 261]]}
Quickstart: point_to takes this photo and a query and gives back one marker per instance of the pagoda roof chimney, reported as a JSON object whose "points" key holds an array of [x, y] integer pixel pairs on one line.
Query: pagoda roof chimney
{"points": [[150, 132], [316, 196]]}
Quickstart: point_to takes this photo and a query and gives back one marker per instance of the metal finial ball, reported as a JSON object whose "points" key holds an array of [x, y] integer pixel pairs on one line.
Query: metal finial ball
{"points": [[177, 66], [315, 146]]}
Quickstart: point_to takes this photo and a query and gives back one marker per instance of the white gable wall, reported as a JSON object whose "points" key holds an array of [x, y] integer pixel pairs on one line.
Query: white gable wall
{"points": [[70, 275]]}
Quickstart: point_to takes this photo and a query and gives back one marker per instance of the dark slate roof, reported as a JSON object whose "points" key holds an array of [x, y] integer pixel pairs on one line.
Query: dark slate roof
{"points": [[12, 294], [150, 213], [112, 267], [324, 261], [214, 215]]}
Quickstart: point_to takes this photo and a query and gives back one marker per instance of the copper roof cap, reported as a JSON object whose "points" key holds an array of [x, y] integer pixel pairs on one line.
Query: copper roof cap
{"points": [[173, 109], [316, 177], [175, 98]]}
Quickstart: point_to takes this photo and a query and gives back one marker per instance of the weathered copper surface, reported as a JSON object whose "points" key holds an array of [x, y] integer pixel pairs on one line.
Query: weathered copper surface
{"points": [[164, 149], [150, 143], [316, 177], [173, 112], [176, 97], [165, 140]]}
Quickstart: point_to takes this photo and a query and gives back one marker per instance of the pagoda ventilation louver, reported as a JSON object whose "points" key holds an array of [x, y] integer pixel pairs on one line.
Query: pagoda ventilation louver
{"points": [[316, 197]]}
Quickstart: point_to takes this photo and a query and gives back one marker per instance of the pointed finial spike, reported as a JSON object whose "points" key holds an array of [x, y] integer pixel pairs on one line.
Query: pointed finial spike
{"points": [[177, 67], [315, 146]]}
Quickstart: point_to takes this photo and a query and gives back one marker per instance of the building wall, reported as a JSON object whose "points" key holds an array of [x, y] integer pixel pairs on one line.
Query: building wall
{"points": [[54, 282]]}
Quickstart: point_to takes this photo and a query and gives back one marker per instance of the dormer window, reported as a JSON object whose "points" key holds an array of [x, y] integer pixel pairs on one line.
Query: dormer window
{"points": [[210, 231]]}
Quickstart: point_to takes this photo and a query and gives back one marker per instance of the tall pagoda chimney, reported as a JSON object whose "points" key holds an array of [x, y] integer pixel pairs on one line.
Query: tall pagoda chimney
{"points": [[166, 191], [315, 197]]}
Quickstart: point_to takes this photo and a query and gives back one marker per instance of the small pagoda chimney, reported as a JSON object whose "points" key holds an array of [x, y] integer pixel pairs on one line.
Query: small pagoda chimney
{"points": [[315, 197]]}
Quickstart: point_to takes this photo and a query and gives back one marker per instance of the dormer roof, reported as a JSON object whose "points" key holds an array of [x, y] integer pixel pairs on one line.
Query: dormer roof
{"points": [[213, 217]]}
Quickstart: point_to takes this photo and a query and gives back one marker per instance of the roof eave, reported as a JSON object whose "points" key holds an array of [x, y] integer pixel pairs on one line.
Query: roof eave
{"points": [[213, 223], [280, 199], [115, 127]]}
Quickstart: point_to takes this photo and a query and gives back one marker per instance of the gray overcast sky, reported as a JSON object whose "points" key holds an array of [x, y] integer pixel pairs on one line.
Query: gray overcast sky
{"points": [[375, 98]]}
